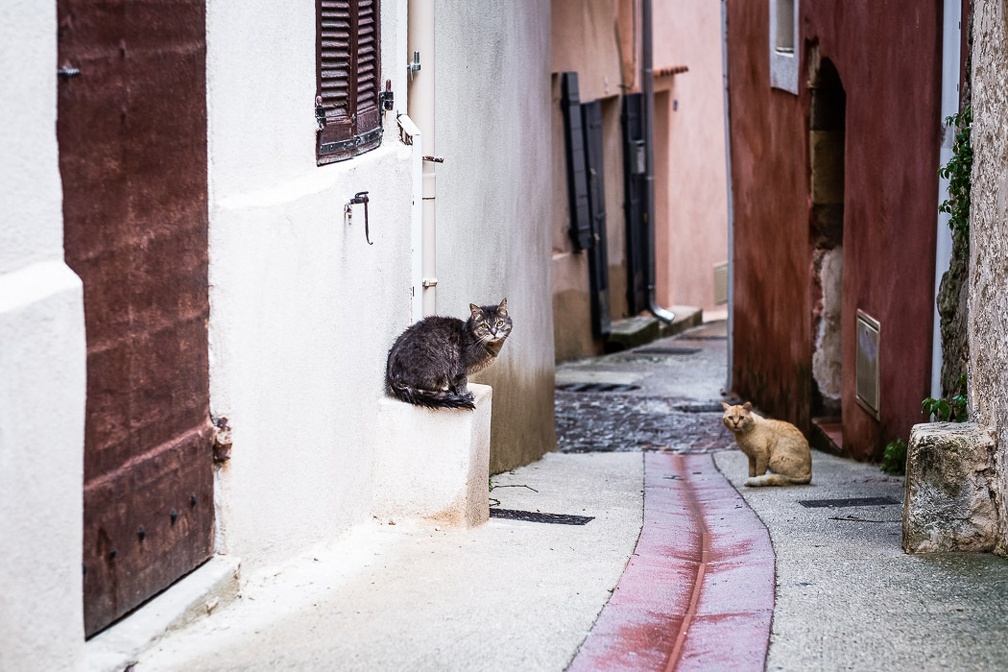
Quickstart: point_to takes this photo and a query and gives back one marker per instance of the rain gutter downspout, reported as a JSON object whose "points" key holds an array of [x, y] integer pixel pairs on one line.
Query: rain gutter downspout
{"points": [[647, 86], [729, 381], [421, 108], [410, 131]]}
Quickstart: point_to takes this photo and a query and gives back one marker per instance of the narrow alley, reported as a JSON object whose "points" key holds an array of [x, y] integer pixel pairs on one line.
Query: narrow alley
{"points": [[590, 589]]}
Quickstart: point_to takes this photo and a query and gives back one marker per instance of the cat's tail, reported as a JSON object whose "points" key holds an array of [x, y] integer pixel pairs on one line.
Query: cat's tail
{"points": [[431, 398], [777, 479]]}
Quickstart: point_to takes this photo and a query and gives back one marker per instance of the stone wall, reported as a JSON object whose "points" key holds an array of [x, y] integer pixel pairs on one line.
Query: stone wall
{"points": [[988, 300]]}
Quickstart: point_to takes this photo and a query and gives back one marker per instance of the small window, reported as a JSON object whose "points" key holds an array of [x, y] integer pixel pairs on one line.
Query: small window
{"points": [[348, 55], [784, 45]]}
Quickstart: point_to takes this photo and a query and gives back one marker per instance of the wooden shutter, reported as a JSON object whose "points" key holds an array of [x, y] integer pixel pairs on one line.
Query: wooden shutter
{"points": [[577, 178], [598, 253], [349, 49], [634, 201]]}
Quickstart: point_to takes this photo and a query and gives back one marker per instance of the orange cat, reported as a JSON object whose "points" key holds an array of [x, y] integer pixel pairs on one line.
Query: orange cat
{"points": [[772, 444]]}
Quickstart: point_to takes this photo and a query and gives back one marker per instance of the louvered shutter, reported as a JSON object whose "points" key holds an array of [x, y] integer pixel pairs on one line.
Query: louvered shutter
{"points": [[634, 204], [577, 176], [349, 40]]}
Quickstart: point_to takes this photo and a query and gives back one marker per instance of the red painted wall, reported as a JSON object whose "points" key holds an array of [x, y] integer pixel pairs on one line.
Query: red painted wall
{"points": [[888, 57]]}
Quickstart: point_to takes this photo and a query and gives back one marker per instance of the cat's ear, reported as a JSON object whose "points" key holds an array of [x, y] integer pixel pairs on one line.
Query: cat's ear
{"points": [[476, 311], [502, 308], [747, 406], [726, 405]]}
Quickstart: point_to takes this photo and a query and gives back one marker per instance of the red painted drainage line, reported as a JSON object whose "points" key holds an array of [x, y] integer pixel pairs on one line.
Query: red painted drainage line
{"points": [[698, 591], [698, 581]]}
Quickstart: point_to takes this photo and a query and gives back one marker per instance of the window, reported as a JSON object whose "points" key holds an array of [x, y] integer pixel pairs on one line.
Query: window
{"points": [[784, 45], [348, 54]]}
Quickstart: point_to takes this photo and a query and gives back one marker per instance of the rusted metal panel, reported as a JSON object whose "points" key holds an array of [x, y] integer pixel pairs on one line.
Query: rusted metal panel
{"points": [[132, 138]]}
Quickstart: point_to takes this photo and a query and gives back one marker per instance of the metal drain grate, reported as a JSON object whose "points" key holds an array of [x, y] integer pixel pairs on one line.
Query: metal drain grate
{"points": [[701, 407], [843, 503], [666, 350], [597, 387], [537, 517]]}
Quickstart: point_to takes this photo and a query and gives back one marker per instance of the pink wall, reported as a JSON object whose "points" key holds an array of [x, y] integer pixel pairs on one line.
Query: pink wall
{"points": [[887, 57], [690, 192]]}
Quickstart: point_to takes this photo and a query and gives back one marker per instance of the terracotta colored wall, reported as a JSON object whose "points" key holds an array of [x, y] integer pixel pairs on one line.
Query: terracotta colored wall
{"points": [[887, 57]]}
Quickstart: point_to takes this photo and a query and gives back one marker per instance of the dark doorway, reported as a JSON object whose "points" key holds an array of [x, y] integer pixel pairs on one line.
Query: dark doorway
{"points": [[827, 136], [133, 159]]}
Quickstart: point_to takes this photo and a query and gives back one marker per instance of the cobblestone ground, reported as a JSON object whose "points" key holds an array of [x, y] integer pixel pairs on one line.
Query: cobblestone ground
{"points": [[610, 422], [665, 395]]}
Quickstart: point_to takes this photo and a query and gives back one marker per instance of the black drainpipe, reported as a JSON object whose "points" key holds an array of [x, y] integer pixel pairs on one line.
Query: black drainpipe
{"points": [[647, 86]]}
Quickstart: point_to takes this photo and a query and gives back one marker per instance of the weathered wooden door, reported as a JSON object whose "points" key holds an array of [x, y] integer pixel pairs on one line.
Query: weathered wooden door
{"points": [[133, 158]]}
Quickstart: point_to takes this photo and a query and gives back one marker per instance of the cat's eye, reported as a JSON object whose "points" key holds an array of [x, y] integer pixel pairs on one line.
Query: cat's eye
{"points": [[500, 323]]}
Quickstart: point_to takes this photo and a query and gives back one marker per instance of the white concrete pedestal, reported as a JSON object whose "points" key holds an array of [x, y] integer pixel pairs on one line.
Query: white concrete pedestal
{"points": [[433, 463]]}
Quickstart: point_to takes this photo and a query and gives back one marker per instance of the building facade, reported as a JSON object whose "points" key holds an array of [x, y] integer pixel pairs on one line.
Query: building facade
{"points": [[835, 135], [182, 272]]}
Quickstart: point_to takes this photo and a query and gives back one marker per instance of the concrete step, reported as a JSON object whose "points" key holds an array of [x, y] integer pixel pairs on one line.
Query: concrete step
{"points": [[827, 435], [205, 590], [433, 463], [643, 329]]}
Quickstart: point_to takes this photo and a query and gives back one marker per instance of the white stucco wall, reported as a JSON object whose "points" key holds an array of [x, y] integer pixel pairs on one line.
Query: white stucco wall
{"points": [[303, 310], [495, 201], [988, 301], [42, 363]]}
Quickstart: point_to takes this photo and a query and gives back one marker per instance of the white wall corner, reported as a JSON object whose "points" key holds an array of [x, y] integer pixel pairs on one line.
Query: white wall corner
{"points": [[42, 394]]}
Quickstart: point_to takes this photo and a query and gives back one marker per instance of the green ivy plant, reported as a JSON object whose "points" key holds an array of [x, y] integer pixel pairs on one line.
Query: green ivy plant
{"points": [[894, 458], [950, 409], [957, 172], [946, 410]]}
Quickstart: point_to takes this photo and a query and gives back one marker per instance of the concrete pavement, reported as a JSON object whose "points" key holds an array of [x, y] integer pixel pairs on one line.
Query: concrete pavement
{"points": [[848, 598], [509, 595], [710, 584]]}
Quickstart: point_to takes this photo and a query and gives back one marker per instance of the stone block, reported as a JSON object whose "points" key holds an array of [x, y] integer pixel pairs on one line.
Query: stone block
{"points": [[433, 463], [948, 502]]}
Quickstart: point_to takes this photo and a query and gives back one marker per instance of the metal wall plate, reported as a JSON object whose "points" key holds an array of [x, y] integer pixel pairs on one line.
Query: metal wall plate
{"points": [[866, 336]]}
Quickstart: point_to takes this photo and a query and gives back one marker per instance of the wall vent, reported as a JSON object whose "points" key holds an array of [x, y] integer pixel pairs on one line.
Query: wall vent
{"points": [[867, 364]]}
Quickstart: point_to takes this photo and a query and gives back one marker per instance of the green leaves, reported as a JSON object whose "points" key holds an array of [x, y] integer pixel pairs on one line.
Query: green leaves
{"points": [[894, 458], [946, 410], [957, 172]]}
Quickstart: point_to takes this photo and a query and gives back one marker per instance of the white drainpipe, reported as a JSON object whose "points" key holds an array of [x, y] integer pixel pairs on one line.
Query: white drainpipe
{"points": [[951, 27], [412, 134], [420, 40]]}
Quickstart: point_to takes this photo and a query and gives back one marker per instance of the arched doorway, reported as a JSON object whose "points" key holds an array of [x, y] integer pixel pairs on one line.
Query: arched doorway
{"points": [[827, 123]]}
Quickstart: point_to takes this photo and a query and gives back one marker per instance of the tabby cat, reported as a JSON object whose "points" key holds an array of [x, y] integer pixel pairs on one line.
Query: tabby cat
{"points": [[772, 444], [430, 363]]}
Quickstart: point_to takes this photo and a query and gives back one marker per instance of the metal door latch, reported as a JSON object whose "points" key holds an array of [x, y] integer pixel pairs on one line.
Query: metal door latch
{"points": [[386, 99], [320, 117], [360, 198]]}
